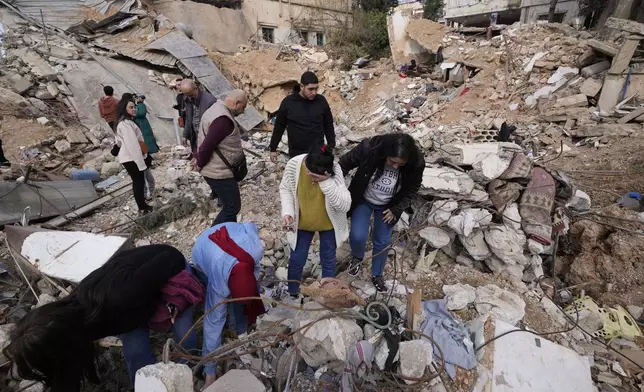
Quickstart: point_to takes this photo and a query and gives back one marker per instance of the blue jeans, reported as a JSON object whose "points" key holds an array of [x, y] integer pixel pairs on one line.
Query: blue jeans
{"points": [[300, 254], [228, 192], [382, 232], [138, 351]]}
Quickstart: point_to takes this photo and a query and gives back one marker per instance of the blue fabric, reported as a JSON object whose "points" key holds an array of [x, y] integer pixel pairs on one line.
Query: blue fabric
{"points": [[448, 335], [138, 351], [216, 266], [635, 195], [382, 232], [300, 254]]}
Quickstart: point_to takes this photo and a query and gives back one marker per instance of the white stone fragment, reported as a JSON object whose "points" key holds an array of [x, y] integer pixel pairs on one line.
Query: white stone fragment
{"points": [[161, 377], [459, 295], [502, 304]]}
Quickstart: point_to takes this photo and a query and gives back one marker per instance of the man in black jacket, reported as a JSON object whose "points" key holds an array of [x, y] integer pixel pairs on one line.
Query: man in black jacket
{"points": [[307, 118]]}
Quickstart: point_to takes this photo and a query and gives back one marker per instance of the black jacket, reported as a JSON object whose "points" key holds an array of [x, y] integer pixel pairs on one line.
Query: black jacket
{"points": [[307, 123], [124, 293], [365, 157]]}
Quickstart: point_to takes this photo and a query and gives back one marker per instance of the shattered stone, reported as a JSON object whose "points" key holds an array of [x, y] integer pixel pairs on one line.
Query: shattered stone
{"points": [[475, 245], [62, 146], [236, 381], [507, 244], [281, 273], [21, 85], [609, 378], [52, 87], [459, 296], [511, 216], [42, 120], [74, 136], [45, 299], [110, 169], [580, 201], [464, 260], [436, 237], [489, 167], [382, 353], [502, 304], [441, 212], [468, 220], [591, 87], [162, 377], [327, 341], [579, 100], [38, 104], [415, 357], [44, 94], [447, 181]]}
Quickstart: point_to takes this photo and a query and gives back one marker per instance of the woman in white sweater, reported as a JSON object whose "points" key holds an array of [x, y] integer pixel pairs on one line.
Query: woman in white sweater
{"points": [[314, 199], [132, 151]]}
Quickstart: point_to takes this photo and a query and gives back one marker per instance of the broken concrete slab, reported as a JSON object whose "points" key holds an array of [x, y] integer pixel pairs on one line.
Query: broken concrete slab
{"points": [[468, 154], [58, 52], [162, 377], [624, 56], [447, 180], [490, 166], [475, 245], [326, 342], [441, 212], [578, 100], [469, 219], [75, 136], [459, 296], [591, 130], [587, 58], [631, 116], [42, 120], [613, 85], [507, 244], [590, 87], [110, 169], [625, 25], [524, 362], [52, 87], [236, 381], [415, 357], [21, 85], [562, 73], [39, 66], [43, 93], [501, 304], [435, 236], [603, 47], [595, 69], [62, 146]]}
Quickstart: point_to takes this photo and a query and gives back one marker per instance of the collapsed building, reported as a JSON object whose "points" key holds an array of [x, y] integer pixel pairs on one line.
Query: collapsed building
{"points": [[510, 226]]}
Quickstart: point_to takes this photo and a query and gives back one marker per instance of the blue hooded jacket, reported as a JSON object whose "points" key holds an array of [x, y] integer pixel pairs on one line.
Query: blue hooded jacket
{"points": [[216, 265]]}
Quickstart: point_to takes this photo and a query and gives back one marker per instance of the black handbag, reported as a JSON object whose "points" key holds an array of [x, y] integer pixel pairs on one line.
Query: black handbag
{"points": [[239, 169]]}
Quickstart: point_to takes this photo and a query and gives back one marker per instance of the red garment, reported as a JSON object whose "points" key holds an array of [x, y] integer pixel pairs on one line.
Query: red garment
{"points": [[241, 282], [107, 108], [182, 290]]}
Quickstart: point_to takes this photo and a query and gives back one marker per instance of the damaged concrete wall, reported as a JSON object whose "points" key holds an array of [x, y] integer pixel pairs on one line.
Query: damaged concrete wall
{"points": [[531, 10], [221, 29], [289, 17], [475, 12], [86, 80], [403, 48]]}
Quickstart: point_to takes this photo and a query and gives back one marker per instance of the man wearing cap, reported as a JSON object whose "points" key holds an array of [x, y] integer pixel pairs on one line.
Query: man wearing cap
{"points": [[226, 259], [306, 117]]}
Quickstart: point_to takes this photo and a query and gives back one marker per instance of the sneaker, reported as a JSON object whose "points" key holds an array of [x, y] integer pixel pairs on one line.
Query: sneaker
{"points": [[146, 210], [354, 266], [379, 284]]}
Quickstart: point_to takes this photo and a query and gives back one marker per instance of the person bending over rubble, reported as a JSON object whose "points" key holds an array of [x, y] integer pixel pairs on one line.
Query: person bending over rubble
{"points": [[149, 287], [307, 118], [389, 173], [314, 199], [133, 153], [227, 257]]}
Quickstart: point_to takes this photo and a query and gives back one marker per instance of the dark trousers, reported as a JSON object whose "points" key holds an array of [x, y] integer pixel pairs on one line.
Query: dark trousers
{"points": [[2, 157], [112, 125], [138, 183], [300, 254], [228, 192]]}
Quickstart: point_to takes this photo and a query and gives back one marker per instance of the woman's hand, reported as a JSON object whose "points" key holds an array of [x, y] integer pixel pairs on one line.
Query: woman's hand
{"points": [[287, 223], [319, 177], [388, 216]]}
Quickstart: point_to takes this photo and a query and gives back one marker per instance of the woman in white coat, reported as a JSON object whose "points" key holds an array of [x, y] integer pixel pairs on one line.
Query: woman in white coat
{"points": [[314, 199], [132, 153]]}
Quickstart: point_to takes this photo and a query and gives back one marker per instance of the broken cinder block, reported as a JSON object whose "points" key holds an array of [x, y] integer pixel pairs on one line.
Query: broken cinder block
{"points": [[577, 100]]}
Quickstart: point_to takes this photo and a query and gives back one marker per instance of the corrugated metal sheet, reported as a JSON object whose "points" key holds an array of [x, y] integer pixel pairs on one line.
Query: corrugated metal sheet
{"points": [[132, 43], [45, 198], [66, 13]]}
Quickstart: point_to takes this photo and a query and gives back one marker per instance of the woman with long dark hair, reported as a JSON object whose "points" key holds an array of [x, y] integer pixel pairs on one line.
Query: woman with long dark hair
{"points": [[390, 171], [132, 152], [149, 287], [314, 199]]}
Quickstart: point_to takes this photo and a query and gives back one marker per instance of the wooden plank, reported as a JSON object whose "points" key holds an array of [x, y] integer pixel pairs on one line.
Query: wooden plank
{"points": [[61, 220], [625, 25], [623, 58], [631, 116], [414, 308], [603, 47]]}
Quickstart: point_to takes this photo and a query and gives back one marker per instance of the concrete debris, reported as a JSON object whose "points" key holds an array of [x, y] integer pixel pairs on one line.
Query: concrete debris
{"points": [[476, 246], [590, 87], [445, 180], [501, 304], [578, 100], [469, 219], [237, 381], [62, 146], [74, 136], [459, 296], [415, 357], [325, 342], [161, 377], [435, 236], [110, 169], [42, 120], [507, 244], [5, 330], [580, 201], [441, 212], [382, 353]]}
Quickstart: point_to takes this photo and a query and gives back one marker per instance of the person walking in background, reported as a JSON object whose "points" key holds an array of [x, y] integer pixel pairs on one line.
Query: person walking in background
{"points": [[132, 151], [150, 141], [220, 152], [228, 256], [196, 103], [389, 173], [107, 107], [139, 289], [314, 199], [4, 162], [306, 117]]}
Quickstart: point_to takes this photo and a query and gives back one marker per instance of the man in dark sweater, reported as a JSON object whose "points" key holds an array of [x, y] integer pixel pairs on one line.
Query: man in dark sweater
{"points": [[307, 118]]}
